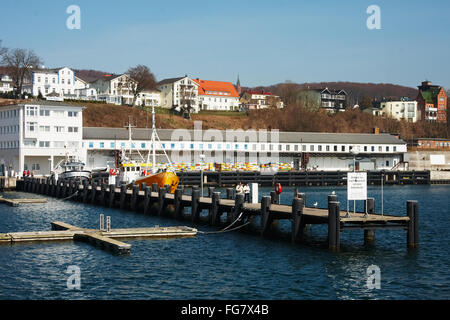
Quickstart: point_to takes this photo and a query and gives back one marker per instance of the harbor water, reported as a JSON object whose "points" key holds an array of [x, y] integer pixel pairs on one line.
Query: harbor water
{"points": [[231, 265]]}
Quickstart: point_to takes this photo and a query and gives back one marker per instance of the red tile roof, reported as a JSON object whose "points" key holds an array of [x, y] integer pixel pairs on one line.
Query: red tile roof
{"points": [[216, 88]]}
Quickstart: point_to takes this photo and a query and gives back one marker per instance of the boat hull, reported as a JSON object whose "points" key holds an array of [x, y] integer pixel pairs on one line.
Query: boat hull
{"points": [[162, 179]]}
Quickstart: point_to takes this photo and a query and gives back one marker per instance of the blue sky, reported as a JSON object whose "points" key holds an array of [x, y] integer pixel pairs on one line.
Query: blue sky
{"points": [[265, 42]]}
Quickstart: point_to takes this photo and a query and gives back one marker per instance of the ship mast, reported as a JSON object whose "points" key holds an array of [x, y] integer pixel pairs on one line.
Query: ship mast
{"points": [[155, 138]]}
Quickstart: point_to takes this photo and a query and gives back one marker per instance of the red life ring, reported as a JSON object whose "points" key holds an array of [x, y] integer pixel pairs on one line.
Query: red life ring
{"points": [[112, 172], [278, 188]]}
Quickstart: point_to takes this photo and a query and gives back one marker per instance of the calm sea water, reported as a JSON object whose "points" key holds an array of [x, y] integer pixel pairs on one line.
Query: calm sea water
{"points": [[230, 265]]}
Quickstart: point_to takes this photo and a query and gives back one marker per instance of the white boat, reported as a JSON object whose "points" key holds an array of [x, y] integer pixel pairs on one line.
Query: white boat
{"points": [[71, 170]]}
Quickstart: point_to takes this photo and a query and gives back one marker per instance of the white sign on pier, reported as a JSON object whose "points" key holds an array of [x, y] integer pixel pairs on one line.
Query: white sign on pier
{"points": [[357, 186]]}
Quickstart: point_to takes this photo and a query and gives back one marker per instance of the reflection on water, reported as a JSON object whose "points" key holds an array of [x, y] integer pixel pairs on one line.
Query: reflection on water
{"points": [[230, 265]]}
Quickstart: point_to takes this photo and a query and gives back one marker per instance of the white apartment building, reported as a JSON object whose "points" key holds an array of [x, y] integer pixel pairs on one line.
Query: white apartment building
{"points": [[62, 82], [179, 92], [36, 135], [149, 98], [401, 110], [217, 95], [6, 83], [115, 89]]}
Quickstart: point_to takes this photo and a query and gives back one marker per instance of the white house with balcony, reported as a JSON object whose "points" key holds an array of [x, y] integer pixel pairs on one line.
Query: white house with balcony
{"points": [[6, 83], [115, 89], [177, 93], [61, 81], [149, 98], [36, 135]]}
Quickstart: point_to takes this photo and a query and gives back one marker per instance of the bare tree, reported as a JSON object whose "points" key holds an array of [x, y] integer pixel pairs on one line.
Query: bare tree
{"points": [[20, 62], [145, 80], [2, 49]]}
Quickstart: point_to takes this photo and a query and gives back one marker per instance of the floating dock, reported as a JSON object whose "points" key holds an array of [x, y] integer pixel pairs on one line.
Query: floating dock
{"points": [[101, 238], [158, 201], [17, 202]]}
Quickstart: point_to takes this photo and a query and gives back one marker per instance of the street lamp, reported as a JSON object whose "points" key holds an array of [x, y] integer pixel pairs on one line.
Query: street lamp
{"points": [[354, 151]]}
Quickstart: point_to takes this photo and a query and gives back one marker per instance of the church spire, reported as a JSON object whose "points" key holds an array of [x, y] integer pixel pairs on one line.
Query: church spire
{"points": [[238, 85]]}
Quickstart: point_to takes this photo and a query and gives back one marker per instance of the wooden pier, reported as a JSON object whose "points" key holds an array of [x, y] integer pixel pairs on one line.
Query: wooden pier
{"points": [[101, 238], [158, 201]]}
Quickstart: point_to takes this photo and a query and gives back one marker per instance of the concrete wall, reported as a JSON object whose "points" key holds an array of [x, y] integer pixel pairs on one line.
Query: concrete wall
{"points": [[420, 160]]}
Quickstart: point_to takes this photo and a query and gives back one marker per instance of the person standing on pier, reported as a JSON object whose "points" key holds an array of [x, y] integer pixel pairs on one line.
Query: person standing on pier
{"points": [[239, 188], [246, 190]]}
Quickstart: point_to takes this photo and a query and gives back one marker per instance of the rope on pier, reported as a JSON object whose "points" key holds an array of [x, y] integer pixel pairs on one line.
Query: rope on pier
{"points": [[69, 197], [226, 229]]}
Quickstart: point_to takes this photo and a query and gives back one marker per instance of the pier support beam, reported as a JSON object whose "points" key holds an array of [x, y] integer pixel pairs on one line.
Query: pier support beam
{"points": [[275, 198], [195, 205], [369, 234], [334, 226], [298, 224], [412, 235], [266, 220]]}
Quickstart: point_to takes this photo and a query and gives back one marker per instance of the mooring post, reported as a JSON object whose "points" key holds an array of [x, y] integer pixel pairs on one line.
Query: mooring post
{"points": [[134, 197], [333, 226], [230, 193], [178, 204], [412, 235], [167, 187], [266, 220], [143, 185], [214, 209], [275, 198], [108, 224], [155, 187], [112, 195], [238, 204], [369, 234], [70, 188], [64, 189], [195, 205], [161, 199], [147, 192], [123, 196], [297, 223], [102, 222], [85, 191]]}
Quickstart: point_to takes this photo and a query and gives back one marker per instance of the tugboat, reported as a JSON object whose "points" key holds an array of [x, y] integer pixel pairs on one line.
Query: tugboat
{"points": [[130, 171]]}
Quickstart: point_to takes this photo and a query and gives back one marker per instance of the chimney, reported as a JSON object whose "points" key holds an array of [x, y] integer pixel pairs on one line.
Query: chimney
{"points": [[376, 130]]}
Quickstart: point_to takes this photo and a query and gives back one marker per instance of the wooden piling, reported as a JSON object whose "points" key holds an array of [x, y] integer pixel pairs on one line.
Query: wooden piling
{"points": [[369, 234], [231, 193], [178, 204], [147, 194], [297, 222], [123, 196], [93, 192], [112, 195], [195, 205], [210, 191], [333, 226], [134, 197], [85, 191], [275, 198], [214, 209], [155, 187], [412, 235], [266, 220], [161, 197]]}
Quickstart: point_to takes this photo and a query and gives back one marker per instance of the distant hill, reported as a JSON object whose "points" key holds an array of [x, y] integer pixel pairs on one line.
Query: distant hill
{"points": [[355, 90]]}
